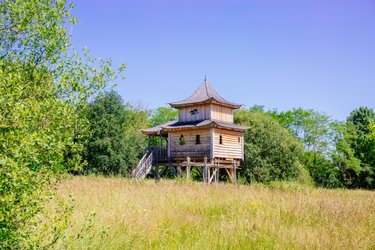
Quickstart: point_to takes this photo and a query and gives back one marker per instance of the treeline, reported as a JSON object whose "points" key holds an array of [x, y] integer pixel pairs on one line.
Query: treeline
{"points": [[55, 118], [300, 144], [334, 153]]}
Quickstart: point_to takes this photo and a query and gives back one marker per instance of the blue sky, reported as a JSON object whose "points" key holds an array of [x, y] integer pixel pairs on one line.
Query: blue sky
{"points": [[317, 54]]}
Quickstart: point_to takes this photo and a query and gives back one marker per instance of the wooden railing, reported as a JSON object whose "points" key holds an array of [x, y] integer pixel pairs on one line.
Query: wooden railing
{"points": [[144, 166], [160, 154], [151, 156]]}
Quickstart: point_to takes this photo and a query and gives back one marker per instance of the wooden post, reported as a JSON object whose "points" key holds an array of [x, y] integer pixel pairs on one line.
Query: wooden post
{"points": [[217, 175], [148, 142], [205, 172], [156, 174], [234, 172], [179, 170], [188, 169]]}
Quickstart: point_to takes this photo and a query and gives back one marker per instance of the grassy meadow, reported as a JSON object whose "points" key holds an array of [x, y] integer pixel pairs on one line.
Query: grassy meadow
{"points": [[116, 213]]}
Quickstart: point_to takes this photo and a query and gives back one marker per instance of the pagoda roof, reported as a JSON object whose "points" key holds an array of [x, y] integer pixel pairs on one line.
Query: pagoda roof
{"points": [[210, 123], [205, 94]]}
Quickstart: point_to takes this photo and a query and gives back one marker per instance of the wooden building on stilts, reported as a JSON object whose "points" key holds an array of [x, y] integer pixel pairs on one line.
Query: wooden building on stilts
{"points": [[204, 137]]}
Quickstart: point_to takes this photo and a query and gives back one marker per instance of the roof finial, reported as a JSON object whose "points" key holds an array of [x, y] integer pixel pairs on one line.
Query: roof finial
{"points": [[205, 78]]}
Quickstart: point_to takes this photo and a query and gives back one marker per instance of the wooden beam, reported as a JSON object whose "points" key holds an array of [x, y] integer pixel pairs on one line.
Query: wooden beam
{"points": [[188, 168], [200, 171], [229, 174], [234, 172], [205, 172], [217, 175], [211, 143], [169, 145]]}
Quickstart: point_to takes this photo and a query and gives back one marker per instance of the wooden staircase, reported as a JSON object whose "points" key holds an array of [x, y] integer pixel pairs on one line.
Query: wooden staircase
{"points": [[152, 156], [144, 165]]}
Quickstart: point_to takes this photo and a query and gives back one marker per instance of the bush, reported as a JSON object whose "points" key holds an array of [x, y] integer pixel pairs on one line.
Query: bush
{"points": [[271, 153]]}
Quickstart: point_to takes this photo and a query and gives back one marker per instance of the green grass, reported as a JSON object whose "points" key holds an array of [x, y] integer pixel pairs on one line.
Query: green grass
{"points": [[186, 215]]}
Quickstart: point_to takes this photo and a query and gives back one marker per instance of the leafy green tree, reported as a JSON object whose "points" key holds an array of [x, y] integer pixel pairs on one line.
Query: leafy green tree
{"points": [[361, 119], [115, 142], [324, 143], [159, 116], [162, 115], [44, 87], [311, 127], [271, 153], [370, 142], [322, 171], [343, 156]]}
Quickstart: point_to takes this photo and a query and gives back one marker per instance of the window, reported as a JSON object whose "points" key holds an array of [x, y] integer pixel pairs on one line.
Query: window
{"points": [[182, 140], [194, 112], [239, 139], [220, 139], [197, 139]]}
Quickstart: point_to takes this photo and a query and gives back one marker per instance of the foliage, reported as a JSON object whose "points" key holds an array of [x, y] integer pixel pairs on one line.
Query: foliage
{"points": [[162, 115], [271, 153], [329, 156], [115, 142], [361, 119], [311, 127], [360, 122], [44, 86]]}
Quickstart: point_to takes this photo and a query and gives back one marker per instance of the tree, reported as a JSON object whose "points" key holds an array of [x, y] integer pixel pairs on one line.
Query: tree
{"points": [[44, 88], [343, 156], [361, 120], [271, 153], [115, 143], [162, 115], [322, 141]]}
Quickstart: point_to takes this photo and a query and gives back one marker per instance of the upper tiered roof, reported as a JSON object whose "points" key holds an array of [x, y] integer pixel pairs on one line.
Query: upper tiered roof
{"points": [[205, 94]]}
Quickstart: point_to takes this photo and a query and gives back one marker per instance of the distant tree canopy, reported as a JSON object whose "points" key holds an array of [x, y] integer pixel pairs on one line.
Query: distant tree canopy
{"points": [[116, 141], [162, 115], [360, 139], [271, 153], [336, 154]]}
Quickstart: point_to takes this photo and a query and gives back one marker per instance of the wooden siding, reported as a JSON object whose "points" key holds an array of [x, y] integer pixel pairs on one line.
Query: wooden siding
{"points": [[190, 148], [221, 113], [206, 111], [231, 148], [202, 114]]}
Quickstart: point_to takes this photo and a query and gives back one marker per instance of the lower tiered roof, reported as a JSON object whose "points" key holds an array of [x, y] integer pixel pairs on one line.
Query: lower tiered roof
{"points": [[175, 125]]}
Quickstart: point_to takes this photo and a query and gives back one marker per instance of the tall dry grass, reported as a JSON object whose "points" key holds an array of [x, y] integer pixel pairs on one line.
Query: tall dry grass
{"points": [[185, 215]]}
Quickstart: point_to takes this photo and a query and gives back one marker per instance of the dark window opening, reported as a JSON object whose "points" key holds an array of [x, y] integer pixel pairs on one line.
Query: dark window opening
{"points": [[197, 139], [182, 140], [220, 139], [194, 112], [239, 139]]}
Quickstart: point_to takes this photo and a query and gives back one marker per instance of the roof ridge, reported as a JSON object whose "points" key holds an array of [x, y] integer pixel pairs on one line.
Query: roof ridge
{"points": [[204, 93], [206, 86]]}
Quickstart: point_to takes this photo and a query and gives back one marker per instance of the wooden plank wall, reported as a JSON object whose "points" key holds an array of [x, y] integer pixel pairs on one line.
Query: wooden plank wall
{"points": [[230, 148], [204, 112], [190, 149], [221, 113]]}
